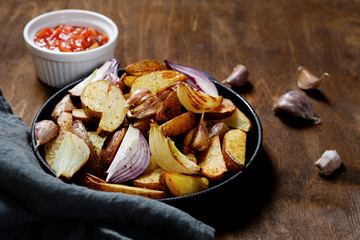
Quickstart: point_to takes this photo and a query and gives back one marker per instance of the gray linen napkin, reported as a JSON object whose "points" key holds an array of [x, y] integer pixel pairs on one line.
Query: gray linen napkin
{"points": [[36, 205]]}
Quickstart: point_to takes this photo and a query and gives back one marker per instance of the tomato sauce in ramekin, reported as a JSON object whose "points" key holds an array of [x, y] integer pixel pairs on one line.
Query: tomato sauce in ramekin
{"points": [[69, 39]]}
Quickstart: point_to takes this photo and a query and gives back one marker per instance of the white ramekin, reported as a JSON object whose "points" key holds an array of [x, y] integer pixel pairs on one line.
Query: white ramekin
{"points": [[58, 69]]}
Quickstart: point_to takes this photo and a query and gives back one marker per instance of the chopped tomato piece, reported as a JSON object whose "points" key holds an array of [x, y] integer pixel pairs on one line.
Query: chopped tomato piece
{"points": [[70, 38]]}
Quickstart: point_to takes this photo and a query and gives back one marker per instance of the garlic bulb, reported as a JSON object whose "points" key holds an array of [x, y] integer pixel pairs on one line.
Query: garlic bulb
{"points": [[238, 77], [307, 81], [296, 104], [329, 162]]}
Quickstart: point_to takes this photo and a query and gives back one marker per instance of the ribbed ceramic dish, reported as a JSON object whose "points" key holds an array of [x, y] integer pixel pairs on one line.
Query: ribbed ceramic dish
{"points": [[58, 69]]}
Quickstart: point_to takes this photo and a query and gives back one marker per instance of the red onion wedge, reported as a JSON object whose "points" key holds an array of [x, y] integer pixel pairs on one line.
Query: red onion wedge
{"points": [[131, 159], [196, 78]]}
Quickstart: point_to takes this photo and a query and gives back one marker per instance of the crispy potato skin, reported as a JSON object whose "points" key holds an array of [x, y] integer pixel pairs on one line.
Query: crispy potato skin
{"points": [[180, 184], [110, 147], [180, 124], [169, 108], [233, 148], [224, 110], [144, 66], [157, 81], [212, 162], [95, 183], [150, 180], [128, 80]]}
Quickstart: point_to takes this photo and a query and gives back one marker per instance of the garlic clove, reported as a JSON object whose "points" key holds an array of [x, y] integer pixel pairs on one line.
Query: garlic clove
{"points": [[329, 162], [219, 128], [45, 131], [238, 77], [201, 140], [136, 97], [307, 81], [296, 104]]}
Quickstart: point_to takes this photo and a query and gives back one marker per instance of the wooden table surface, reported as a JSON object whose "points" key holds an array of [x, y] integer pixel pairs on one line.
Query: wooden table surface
{"points": [[284, 196]]}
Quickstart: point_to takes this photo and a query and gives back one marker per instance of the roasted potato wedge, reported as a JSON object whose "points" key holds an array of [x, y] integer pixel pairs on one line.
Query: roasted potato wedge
{"points": [[93, 182], [79, 114], [238, 120], [233, 148], [149, 180], [180, 124], [180, 184], [169, 108], [224, 110], [65, 120], [114, 111], [129, 79], [110, 147], [94, 164], [187, 141], [212, 162], [97, 141], [93, 98], [143, 125], [157, 81], [144, 66]]}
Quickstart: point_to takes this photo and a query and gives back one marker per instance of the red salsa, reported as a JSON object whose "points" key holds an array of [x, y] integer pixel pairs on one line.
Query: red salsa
{"points": [[70, 39]]}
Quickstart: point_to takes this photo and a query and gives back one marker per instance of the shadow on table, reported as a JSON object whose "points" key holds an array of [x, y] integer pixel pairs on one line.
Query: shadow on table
{"points": [[239, 203]]}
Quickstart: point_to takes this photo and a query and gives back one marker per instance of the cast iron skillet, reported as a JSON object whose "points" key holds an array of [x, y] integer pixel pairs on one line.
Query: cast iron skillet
{"points": [[253, 144]]}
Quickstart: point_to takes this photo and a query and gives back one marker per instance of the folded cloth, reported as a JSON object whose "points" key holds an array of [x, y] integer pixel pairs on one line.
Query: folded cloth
{"points": [[36, 205]]}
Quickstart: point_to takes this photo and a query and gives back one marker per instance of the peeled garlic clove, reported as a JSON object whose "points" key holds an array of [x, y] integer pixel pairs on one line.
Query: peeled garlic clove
{"points": [[238, 77], [307, 81], [329, 162], [45, 131], [296, 104]]}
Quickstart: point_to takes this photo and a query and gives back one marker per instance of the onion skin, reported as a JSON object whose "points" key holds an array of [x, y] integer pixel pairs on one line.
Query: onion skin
{"points": [[109, 67], [196, 101], [296, 104], [196, 78], [131, 159], [238, 77], [307, 81], [329, 162]]}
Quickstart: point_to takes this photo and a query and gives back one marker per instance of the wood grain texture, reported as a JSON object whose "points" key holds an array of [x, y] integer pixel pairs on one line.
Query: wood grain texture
{"points": [[284, 197]]}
